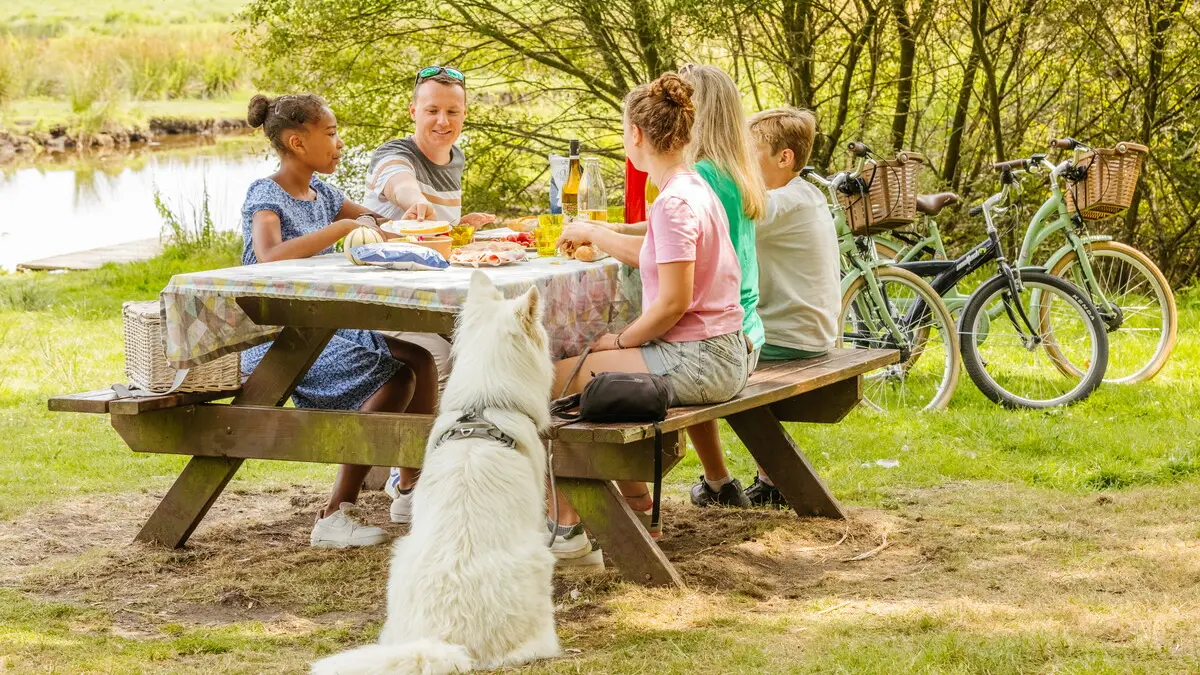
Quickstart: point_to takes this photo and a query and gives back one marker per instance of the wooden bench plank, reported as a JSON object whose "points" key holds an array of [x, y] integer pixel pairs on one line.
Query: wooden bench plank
{"points": [[345, 314], [773, 383], [103, 401], [350, 437]]}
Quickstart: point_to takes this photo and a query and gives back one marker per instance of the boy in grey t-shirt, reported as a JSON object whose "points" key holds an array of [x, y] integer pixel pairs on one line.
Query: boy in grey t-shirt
{"points": [[799, 274], [799, 278]]}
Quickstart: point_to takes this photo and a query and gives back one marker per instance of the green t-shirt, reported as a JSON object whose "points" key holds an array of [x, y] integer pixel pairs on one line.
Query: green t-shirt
{"points": [[741, 231]]}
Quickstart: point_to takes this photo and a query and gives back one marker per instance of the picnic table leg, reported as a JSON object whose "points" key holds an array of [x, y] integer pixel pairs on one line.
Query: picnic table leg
{"points": [[615, 526], [787, 466], [203, 479]]}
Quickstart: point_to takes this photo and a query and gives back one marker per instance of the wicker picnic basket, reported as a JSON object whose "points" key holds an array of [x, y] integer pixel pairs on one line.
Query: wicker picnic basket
{"points": [[1108, 179], [887, 195], [146, 363]]}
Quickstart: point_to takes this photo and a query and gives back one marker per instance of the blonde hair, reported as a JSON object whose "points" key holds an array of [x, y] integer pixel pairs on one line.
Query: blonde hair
{"points": [[786, 127], [720, 134]]}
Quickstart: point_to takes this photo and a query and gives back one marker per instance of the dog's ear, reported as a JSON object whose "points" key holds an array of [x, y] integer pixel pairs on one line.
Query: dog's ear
{"points": [[482, 287], [529, 310]]}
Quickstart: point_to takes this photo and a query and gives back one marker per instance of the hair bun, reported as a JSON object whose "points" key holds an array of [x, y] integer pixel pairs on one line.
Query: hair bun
{"points": [[673, 89], [256, 112]]}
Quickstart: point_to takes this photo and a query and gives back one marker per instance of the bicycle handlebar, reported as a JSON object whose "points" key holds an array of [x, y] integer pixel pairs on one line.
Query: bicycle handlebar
{"points": [[1011, 164], [858, 149], [1067, 143]]}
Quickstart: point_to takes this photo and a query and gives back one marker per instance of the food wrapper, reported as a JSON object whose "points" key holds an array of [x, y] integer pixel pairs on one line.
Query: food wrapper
{"points": [[397, 255]]}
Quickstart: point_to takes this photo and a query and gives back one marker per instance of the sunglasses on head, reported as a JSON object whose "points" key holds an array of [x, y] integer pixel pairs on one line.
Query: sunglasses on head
{"points": [[433, 71]]}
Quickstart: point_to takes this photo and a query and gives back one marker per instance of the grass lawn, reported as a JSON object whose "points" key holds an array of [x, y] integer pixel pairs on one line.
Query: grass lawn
{"points": [[1065, 541]]}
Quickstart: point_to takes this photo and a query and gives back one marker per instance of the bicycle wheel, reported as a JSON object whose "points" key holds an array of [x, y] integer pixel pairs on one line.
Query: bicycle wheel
{"points": [[1016, 368], [928, 372], [1147, 318], [887, 249]]}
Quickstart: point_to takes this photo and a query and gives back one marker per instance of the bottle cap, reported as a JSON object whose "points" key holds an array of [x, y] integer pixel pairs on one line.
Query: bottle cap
{"points": [[574, 147]]}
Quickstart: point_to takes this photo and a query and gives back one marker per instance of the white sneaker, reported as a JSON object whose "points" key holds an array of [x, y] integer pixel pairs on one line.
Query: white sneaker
{"points": [[341, 530], [572, 548], [392, 485], [401, 510]]}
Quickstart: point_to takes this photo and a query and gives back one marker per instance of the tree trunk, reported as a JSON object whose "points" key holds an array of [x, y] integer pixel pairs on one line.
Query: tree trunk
{"points": [[950, 172], [797, 27], [858, 42], [908, 52]]}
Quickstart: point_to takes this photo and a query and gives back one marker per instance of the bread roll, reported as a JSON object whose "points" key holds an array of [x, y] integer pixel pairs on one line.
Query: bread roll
{"points": [[586, 253]]}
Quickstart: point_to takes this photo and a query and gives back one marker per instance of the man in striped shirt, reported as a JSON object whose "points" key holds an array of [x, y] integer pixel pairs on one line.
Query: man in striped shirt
{"points": [[419, 177]]}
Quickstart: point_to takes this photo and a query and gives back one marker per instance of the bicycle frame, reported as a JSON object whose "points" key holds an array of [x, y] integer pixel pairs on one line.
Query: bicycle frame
{"points": [[1051, 218]]}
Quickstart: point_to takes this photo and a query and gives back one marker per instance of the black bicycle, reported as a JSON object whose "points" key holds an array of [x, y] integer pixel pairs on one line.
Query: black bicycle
{"points": [[1018, 327]]}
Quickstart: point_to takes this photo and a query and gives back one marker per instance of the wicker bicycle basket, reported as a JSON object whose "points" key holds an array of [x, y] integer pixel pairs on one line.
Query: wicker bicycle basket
{"points": [[146, 363], [889, 198], [1106, 188]]}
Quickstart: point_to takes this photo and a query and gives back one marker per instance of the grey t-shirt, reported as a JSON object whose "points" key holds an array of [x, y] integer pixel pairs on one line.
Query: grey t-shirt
{"points": [[440, 184], [798, 273]]}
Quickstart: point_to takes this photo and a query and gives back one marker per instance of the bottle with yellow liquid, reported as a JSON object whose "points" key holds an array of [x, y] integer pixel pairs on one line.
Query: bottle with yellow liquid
{"points": [[593, 200], [570, 191], [651, 193]]}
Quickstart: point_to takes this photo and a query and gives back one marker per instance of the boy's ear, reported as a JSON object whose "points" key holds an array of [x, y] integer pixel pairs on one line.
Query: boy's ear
{"points": [[787, 159]]}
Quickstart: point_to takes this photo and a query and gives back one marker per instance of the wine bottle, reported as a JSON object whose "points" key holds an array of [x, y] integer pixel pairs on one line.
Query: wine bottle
{"points": [[570, 193]]}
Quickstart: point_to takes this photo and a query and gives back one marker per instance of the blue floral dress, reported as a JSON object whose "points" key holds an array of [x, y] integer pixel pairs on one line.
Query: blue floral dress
{"points": [[355, 363]]}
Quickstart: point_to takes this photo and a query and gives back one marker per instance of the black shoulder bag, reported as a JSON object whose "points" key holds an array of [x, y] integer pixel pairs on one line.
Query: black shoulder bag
{"points": [[622, 397]]}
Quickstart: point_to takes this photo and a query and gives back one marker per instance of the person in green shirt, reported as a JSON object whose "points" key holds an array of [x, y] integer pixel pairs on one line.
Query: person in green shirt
{"points": [[723, 154]]}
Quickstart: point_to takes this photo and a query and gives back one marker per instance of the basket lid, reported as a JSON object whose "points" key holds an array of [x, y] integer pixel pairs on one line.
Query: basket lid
{"points": [[141, 308]]}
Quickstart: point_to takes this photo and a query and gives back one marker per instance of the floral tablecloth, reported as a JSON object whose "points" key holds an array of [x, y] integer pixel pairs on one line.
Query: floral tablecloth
{"points": [[203, 320]]}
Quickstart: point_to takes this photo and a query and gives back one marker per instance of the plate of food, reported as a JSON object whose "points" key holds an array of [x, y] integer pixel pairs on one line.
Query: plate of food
{"points": [[417, 228], [488, 253], [525, 239], [585, 252]]}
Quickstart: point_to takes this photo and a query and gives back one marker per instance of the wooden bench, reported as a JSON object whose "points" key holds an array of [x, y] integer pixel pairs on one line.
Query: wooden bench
{"points": [[587, 457]]}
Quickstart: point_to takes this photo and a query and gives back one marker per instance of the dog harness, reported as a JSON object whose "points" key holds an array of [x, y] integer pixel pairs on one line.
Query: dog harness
{"points": [[472, 425]]}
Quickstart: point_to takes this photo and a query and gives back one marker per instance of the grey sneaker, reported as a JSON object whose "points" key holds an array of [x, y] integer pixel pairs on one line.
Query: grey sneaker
{"points": [[341, 530], [730, 494]]}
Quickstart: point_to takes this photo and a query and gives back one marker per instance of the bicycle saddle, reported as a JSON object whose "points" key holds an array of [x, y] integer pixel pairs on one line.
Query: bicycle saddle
{"points": [[930, 205]]}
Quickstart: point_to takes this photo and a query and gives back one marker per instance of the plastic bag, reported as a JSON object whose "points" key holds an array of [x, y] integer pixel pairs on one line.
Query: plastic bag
{"points": [[397, 255]]}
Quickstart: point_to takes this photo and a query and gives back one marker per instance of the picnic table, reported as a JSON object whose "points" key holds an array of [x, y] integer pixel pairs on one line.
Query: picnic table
{"points": [[300, 304]]}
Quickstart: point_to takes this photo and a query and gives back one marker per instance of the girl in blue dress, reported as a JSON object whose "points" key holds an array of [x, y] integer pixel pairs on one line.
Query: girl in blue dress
{"points": [[293, 214]]}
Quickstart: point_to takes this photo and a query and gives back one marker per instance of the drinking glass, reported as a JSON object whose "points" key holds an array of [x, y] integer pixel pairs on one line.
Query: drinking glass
{"points": [[461, 235], [550, 228]]}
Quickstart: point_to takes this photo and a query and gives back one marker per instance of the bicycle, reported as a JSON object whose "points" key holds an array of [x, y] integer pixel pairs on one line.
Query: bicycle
{"points": [[1018, 326], [890, 308], [1130, 292]]}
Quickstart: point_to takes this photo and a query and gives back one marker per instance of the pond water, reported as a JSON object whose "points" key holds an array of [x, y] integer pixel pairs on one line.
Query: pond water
{"points": [[70, 202]]}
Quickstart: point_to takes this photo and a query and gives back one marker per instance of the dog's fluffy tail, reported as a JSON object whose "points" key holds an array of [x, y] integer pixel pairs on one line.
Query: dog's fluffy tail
{"points": [[423, 657]]}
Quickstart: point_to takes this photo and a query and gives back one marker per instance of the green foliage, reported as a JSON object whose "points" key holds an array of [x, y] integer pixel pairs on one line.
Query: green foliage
{"points": [[964, 82]]}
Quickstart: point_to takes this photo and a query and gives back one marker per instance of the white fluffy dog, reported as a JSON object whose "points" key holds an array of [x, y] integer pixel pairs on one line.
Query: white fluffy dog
{"points": [[470, 586]]}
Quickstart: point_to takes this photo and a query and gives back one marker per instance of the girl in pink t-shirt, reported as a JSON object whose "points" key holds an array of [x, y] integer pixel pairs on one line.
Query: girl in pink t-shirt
{"points": [[690, 330]]}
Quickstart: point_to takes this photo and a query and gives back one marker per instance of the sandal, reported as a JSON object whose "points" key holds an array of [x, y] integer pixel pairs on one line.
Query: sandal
{"points": [[644, 517]]}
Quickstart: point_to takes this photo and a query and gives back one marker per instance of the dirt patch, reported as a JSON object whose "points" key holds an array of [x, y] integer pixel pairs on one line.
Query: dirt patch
{"points": [[1009, 555]]}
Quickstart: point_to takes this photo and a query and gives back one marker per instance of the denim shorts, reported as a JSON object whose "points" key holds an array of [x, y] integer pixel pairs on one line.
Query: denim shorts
{"points": [[703, 371]]}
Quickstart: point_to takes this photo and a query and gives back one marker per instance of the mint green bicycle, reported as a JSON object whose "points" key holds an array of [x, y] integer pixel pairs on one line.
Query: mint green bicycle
{"points": [[886, 307], [1130, 293]]}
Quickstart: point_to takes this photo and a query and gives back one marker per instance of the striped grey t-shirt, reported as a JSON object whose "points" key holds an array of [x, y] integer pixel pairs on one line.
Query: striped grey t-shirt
{"points": [[440, 184]]}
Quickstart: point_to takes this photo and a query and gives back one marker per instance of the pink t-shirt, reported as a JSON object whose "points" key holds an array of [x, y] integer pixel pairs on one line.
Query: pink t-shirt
{"points": [[688, 223]]}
